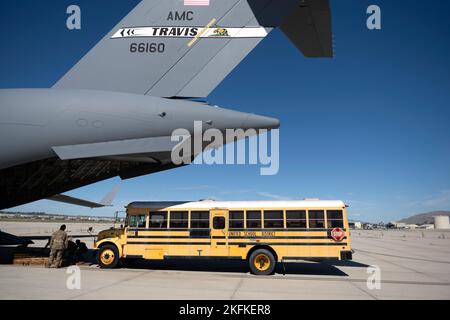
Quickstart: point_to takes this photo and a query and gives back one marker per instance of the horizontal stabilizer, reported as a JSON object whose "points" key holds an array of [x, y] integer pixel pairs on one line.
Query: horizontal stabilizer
{"points": [[106, 201], [7, 239], [75, 201], [309, 28]]}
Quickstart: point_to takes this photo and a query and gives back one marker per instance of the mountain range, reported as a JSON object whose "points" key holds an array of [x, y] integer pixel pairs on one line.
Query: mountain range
{"points": [[424, 218]]}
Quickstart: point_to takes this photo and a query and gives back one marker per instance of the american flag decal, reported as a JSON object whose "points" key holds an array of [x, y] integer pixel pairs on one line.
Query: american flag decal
{"points": [[196, 2]]}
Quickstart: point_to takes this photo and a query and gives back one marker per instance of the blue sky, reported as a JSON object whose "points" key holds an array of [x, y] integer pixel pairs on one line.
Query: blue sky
{"points": [[371, 126]]}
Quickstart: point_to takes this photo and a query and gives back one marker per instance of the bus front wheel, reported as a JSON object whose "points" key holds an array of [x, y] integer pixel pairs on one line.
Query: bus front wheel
{"points": [[262, 262], [108, 256]]}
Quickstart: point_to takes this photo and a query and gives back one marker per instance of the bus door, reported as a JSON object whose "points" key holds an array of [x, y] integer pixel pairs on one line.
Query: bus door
{"points": [[219, 232]]}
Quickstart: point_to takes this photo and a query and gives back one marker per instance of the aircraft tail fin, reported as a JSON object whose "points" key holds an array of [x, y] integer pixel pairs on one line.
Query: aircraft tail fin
{"points": [[109, 197], [171, 48]]}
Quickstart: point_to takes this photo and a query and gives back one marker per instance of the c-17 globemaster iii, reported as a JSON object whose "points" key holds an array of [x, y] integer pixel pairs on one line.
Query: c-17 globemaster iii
{"points": [[113, 113]]}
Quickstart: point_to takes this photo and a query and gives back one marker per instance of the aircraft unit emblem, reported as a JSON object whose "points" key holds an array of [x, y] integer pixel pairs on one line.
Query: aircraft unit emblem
{"points": [[221, 32]]}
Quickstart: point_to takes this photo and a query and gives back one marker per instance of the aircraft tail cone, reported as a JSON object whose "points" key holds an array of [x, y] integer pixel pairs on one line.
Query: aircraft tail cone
{"points": [[261, 122]]}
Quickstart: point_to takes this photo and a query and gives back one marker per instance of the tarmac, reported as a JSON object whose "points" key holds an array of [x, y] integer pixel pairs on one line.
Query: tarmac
{"points": [[411, 265]]}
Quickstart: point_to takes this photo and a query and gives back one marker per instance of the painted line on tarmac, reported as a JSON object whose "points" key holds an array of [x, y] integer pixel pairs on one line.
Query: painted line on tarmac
{"points": [[403, 267], [402, 257], [140, 274], [273, 277]]}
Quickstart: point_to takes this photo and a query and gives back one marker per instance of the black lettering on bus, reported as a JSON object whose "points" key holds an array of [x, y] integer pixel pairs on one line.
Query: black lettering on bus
{"points": [[268, 234]]}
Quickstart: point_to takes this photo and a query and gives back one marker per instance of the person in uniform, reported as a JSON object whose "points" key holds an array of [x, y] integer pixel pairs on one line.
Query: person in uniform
{"points": [[70, 252], [82, 250], [58, 243]]}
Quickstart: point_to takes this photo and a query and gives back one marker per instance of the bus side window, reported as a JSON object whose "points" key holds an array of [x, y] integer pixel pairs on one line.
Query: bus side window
{"points": [[253, 219], [179, 219], [158, 220], [335, 219], [236, 220], [200, 219], [316, 219], [132, 221], [295, 218], [136, 221], [273, 219]]}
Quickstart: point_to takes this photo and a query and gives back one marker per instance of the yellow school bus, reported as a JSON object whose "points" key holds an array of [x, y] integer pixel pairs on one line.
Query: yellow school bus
{"points": [[261, 232]]}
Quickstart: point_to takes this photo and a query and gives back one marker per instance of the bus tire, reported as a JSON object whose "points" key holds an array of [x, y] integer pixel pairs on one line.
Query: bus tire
{"points": [[262, 262], [108, 256]]}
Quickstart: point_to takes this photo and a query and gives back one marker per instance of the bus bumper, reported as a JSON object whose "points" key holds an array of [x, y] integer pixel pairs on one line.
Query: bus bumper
{"points": [[346, 255]]}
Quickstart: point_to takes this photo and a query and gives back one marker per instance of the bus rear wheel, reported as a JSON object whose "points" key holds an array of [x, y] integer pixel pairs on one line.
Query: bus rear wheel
{"points": [[108, 257], [262, 262]]}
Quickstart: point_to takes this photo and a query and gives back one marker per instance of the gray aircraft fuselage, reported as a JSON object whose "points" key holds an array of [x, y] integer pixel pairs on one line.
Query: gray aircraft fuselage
{"points": [[34, 123]]}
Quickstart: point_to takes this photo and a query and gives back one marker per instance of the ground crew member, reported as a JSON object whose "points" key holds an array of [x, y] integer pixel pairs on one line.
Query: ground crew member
{"points": [[58, 243], [71, 249], [82, 249]]}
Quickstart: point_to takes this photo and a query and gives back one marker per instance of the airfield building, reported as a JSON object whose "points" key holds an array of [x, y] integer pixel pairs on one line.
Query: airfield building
{"points": [[441, 222]]}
